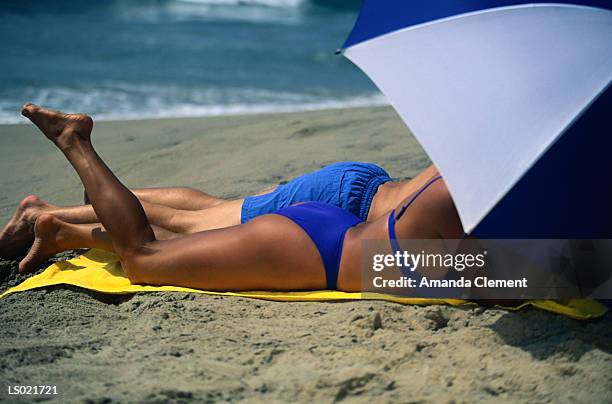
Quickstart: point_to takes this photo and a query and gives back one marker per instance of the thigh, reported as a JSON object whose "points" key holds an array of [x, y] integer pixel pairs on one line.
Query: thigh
{"points": [[269, 253], [223, 215], [183, 198]]}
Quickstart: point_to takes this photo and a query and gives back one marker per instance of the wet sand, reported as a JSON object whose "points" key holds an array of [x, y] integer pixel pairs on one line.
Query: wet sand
{"points": [[180, 347]]}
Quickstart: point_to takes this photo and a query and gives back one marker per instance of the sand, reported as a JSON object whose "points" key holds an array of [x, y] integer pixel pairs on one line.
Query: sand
{"points": [[181, 347]]}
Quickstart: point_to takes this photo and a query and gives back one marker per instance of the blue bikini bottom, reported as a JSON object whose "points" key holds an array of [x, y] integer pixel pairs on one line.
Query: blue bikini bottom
{"points": [[326, 226], [349, 185]]}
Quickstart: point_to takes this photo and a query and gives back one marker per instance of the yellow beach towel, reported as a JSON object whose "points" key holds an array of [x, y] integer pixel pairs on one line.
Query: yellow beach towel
{"points": [[101, 271]]}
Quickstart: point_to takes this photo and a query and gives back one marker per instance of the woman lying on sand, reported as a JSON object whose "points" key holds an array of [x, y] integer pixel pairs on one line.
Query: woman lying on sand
{"points": [[363, 189], [321, 243]]}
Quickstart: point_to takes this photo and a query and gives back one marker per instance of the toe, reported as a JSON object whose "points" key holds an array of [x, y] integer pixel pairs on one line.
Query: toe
{"points": [[25, 265], [22, 267], [29, 201]]}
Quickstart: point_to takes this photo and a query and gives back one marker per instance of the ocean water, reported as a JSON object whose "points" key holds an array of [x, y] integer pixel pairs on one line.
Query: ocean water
{"points": [[130, 59]]}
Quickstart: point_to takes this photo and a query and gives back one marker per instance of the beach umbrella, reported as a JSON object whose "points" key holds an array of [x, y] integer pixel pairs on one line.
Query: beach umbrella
{"points": [[511, 101]]}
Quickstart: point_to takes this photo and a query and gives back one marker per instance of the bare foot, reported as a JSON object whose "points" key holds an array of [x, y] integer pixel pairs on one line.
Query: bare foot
{"points": [[62, 129], [18, 234], [46, 244]]}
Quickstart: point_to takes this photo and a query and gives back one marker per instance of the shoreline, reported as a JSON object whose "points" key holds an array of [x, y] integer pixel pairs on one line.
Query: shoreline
{"points": [[373, 101], [221, 115]]}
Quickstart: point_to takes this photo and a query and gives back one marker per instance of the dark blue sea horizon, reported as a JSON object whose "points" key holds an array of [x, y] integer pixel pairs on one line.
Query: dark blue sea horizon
{"points": [[159, 58]]}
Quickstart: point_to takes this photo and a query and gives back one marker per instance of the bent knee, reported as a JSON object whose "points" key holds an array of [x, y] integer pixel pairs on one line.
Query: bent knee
{"points": [[134, 264], [132, 271]]}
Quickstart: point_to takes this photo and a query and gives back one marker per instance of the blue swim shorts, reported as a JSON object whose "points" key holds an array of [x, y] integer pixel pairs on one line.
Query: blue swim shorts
{"points": [[350, 186]]}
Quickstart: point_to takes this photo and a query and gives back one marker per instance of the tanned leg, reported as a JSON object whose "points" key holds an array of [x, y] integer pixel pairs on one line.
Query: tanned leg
{"points": [[253, 256], [18, 234], [117, 208], [177, 210], [182, 198], [221, 215], [54, 236]]}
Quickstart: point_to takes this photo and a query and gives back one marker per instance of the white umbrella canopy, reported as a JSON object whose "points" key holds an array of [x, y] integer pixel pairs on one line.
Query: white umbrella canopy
{"points": [[511, 101]]}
